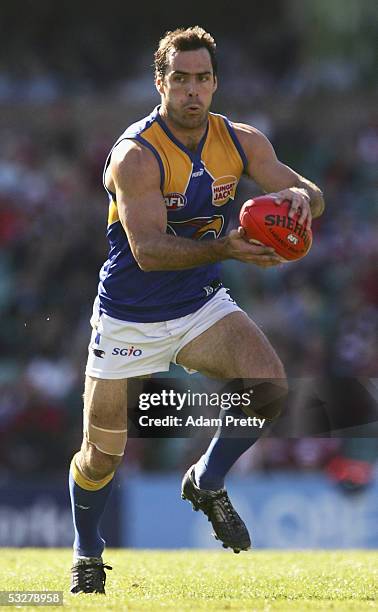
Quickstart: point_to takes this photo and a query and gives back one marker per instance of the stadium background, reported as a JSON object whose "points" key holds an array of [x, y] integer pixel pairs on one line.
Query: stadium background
{"points": [[72, 76]]}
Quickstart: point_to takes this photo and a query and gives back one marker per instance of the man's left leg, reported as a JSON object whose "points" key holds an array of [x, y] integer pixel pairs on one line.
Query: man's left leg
{"points": [[249, 355]]}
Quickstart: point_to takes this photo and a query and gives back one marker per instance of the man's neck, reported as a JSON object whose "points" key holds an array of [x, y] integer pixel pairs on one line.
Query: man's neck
{"points": [[190, 137]]}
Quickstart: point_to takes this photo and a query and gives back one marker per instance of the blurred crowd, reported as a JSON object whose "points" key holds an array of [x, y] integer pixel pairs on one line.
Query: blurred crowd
{"points": [[320, 313]]}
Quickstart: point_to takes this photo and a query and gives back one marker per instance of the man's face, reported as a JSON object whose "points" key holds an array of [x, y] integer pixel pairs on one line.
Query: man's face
{"points": [[188, 87]]}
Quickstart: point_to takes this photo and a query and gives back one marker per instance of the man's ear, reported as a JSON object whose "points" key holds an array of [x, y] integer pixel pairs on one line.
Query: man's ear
{"points": [[159, 84], [215, 84]]}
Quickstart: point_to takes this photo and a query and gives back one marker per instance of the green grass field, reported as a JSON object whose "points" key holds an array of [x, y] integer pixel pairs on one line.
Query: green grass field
{"points": [[199, 580]]}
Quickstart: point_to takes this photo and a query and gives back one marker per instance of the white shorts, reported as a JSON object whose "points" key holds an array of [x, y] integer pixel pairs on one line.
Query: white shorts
{"points": [[123, 349]]}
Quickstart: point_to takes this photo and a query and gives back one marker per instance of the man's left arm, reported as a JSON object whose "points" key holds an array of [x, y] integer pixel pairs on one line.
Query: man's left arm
{"points": [[275, 177]]}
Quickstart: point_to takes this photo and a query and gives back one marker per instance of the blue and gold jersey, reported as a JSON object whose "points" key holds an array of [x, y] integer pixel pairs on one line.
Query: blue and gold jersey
{"points": [[198, 190]]}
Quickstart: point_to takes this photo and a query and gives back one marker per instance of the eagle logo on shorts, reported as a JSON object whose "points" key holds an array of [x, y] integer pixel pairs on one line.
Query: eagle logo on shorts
{"points": [[203, 226]]}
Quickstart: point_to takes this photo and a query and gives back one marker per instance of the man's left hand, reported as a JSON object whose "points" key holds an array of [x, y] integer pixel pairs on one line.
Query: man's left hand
{"points": [[300, 202]]}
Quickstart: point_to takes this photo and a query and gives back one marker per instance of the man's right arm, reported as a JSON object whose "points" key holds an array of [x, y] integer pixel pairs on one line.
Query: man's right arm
{"points": [[135, 177]]}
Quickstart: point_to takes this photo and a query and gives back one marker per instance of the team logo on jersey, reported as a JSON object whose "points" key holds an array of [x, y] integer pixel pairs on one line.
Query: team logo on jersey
{"points": [[175, 201], [203, 226], [223, 189]]}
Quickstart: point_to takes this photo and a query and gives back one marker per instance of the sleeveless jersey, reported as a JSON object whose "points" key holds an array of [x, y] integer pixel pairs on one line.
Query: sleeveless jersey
{"points": [[198, 190]]}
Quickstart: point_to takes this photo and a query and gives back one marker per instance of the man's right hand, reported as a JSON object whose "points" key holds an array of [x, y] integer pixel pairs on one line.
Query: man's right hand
{"points": [[238, 247]]}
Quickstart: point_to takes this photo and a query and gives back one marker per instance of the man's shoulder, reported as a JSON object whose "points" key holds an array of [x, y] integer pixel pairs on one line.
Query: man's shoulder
{"points": [[250, 137], [138, 127], [247, 131], [244, 132], [134, 159], [238, 126], [131, 147]]}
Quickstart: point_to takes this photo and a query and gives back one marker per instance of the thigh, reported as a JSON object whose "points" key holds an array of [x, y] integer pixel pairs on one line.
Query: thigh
{"points": [[234, 347], [105, 402]]}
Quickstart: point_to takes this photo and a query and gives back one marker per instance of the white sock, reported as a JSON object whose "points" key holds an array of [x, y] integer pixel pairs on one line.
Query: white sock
{"points": [[83, 559]]}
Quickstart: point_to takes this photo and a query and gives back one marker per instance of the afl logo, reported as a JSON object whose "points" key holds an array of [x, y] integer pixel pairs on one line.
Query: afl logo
{"points": [[223, 189], [175, 201]]}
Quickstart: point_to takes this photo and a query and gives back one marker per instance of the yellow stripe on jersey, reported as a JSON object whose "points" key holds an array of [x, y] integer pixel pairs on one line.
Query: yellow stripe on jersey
{"points": [[218, 142], [176, 163], [113, 213]]}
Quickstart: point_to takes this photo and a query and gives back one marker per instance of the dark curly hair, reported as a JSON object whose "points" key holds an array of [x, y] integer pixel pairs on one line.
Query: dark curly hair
{"points": [[184, 39]]}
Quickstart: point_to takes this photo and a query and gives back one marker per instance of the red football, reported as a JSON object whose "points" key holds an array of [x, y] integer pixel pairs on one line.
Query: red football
{"points": [[268, 223]]}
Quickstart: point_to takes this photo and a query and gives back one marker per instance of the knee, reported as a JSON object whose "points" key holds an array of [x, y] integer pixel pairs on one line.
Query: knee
{"points": [[270, 392], [95, 464], [269, 399]]}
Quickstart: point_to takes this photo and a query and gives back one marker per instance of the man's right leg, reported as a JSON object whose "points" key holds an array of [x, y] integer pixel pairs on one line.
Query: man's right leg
{"points": [[249, 359], [91, 476]]}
